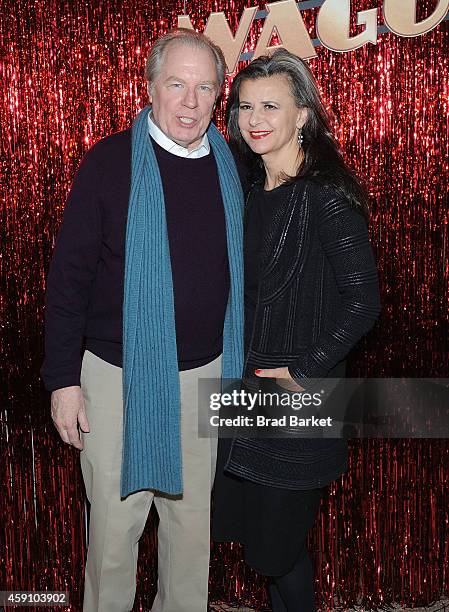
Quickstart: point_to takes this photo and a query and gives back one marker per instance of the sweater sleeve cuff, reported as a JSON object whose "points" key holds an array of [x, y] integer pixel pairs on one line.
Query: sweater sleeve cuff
{"points": [[61, 383]]}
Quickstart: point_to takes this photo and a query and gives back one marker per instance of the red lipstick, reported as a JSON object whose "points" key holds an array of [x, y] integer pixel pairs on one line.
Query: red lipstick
{"points": [[260, 134]]}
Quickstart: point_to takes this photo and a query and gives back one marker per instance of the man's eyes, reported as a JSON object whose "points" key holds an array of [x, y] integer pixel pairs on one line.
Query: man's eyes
{"points": [[205, 88]]}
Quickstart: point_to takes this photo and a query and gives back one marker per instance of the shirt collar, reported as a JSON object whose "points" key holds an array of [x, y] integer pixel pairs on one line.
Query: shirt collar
{"points": [[172, 147]]}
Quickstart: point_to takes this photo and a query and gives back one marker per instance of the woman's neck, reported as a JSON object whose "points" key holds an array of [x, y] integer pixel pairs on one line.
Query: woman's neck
{"points": [[276, 167]]}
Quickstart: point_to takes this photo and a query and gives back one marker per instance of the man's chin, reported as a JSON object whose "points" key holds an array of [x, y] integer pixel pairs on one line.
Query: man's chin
{"points": [[190, 143]]}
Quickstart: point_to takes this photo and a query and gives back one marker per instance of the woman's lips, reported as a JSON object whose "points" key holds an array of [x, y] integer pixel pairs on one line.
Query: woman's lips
{"points": [[259, 135]]}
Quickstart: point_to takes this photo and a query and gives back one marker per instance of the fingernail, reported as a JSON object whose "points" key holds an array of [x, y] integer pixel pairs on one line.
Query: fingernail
{"points": [[257, 371]]}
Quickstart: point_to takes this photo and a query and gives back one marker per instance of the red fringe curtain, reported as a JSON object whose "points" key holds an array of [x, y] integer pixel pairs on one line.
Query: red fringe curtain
{"points": [[72, 72]]}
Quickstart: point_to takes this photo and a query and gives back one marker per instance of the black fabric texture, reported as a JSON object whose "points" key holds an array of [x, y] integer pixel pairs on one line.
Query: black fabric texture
{"points": [[310, 261], [272, 523]]}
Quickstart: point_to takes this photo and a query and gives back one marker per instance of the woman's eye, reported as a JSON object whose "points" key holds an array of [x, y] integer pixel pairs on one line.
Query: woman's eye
{"points": [[244, 107], [270, 106]]}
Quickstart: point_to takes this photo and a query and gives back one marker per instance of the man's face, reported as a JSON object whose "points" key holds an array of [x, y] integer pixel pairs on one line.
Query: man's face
{"points": [[184, 92]]}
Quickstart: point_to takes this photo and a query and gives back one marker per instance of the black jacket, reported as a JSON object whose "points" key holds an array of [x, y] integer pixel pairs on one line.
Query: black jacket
{"points": [[318, 295]]}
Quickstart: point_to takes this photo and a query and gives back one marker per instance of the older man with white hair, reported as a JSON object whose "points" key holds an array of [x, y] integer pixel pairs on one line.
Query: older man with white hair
{"points": [[145, 297]]}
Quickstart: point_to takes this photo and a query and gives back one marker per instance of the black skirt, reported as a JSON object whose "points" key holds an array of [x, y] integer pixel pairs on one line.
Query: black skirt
{"points": [[271, 523]]}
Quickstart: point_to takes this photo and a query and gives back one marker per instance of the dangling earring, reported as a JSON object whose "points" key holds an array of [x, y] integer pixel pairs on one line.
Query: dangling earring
{"points": [[300, 137]]}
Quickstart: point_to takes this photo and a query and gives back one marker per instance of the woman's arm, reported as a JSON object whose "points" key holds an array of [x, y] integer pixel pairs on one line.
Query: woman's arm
{"points": [[343, 236]]}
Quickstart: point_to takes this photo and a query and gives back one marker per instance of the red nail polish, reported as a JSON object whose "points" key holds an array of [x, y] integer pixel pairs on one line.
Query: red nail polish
{"points": [[257, 371]]}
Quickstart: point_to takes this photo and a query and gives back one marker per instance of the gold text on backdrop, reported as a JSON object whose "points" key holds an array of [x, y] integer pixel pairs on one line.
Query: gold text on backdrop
{"points": [[332, 27]]}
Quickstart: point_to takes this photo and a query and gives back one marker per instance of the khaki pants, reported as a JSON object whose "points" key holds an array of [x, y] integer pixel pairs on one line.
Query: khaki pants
{"points": [[116, 525]]}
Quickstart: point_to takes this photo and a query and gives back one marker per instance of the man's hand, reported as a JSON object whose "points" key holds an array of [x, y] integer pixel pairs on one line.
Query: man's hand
{"points": [[282, 376], [67, 410]]}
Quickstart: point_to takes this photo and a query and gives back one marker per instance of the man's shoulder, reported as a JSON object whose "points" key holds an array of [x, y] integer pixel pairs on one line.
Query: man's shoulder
{"points": [[108, 159], [111, 146]]}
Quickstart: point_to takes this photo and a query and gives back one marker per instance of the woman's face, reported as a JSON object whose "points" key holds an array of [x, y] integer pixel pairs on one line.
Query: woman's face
{"points": [[268, 116]]}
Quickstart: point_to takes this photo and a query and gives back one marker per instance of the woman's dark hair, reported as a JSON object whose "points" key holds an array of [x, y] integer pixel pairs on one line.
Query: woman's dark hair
{"points": [[323, 160]]}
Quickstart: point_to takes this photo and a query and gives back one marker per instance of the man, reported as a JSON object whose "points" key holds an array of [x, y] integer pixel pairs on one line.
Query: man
{"points": [[147, 276]]}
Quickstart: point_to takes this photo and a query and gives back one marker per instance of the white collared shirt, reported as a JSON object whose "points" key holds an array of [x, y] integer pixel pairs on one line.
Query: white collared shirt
{"points": [[166, 143]]}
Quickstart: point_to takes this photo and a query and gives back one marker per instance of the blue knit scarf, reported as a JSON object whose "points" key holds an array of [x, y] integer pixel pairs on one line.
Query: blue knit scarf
{"points": [[151, 456]]}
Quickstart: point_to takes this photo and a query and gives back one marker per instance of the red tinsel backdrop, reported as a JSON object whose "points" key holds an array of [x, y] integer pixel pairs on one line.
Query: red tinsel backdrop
{"points": [[72, 72]]}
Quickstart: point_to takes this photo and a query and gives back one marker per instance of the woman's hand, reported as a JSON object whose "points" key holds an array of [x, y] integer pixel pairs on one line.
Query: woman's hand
{"points": [[282, 376]]}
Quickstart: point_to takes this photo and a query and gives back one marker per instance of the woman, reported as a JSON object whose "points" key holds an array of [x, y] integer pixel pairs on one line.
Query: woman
{"points": [[311, 292]]}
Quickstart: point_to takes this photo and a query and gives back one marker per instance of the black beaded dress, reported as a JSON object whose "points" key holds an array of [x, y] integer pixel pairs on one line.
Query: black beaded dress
{"points": [[272, 523]]}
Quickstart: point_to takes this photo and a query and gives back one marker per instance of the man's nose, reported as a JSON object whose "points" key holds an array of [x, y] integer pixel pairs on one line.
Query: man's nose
{"points": [[190, 98]]}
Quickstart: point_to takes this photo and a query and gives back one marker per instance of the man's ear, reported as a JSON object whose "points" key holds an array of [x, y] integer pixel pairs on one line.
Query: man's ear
{"points": [[150, 97]]}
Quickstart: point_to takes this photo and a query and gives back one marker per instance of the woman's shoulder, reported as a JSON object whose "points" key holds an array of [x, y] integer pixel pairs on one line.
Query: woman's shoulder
{"points": [[320, 189], [328, 200]]}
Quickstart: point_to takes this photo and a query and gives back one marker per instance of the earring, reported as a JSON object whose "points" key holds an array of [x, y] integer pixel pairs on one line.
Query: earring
{"points": [[300, 137]]}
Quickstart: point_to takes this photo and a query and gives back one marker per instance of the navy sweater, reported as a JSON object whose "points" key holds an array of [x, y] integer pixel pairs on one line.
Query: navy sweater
{"points": [[84, 298]]}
